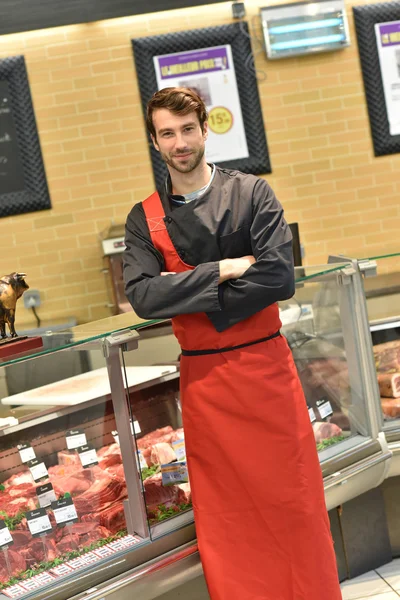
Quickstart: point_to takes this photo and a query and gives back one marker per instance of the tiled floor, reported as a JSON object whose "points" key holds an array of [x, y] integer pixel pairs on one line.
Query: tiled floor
{"points": [[382, 584]]}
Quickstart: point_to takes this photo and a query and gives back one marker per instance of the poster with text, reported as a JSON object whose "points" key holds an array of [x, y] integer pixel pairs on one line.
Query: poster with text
{"points": [[211, 73], [388, 40]]}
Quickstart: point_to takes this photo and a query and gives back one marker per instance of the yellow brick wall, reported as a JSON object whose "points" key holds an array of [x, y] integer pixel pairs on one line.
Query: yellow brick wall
{"points": [[90, 123]]}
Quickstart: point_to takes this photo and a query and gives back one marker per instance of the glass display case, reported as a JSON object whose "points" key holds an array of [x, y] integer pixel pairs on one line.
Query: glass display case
{"points": [[382, 291], [95, 499]]}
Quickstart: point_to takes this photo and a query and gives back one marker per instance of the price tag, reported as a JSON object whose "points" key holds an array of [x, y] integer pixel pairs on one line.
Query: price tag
{"points": [[179, 449], [46, 495], [26, 452], [15, 591], [142, 460], [38, 470], [64, 511], [312, 415], [174, 473], [325, 408], [115, 436], [135, 427], [5, 536], [38, 522], [75, 438], [88, 456]]}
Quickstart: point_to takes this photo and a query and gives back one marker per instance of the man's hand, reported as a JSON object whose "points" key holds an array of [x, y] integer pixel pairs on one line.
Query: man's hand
{"points": [[233, 268]]}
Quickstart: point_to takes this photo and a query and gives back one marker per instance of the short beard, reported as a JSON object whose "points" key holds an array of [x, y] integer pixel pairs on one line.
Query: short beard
{"points": [[191, 164]]}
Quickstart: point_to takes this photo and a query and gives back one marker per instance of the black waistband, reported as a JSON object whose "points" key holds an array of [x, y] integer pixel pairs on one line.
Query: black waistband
{"points": [[229, 348]]}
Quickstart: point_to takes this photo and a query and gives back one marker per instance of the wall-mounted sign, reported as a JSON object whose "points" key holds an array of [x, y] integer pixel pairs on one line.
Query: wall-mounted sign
{"points": [[218, 63], [23, 185], [11, 171], [388, 40], [211, 73], [378, 36]]}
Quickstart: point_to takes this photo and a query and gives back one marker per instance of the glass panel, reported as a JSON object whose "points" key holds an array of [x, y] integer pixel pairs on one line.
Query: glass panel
{"points": [[57, 446], [383, 302], [157, 422], [326, 360]]}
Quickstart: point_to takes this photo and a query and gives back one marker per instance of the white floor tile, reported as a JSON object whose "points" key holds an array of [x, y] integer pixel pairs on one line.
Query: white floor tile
{"points": [[369, 585], [388, 596], [391, 573]]}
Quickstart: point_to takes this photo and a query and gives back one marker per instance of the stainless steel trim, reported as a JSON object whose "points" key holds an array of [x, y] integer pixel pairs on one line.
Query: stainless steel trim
{"points": [[341, 476], [143, 572], [136, 518]]}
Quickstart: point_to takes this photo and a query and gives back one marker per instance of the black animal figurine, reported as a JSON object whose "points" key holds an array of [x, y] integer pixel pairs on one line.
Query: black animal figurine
{"points": [[11, 288]]}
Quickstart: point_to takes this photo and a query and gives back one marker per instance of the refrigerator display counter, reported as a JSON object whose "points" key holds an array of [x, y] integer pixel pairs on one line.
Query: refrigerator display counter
{"points": [[95, 500]]}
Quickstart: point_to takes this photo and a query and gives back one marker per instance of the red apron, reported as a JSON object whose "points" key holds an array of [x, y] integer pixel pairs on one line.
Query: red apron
{"points": [[258, 498]]}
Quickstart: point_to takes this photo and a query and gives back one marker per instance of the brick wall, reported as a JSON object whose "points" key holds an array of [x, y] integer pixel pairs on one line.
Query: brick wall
{"points": [[95, 151]]}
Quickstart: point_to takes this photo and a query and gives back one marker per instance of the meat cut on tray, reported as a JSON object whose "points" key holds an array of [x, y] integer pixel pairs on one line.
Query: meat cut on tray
{"points": [[387, 357], [389, 384]]}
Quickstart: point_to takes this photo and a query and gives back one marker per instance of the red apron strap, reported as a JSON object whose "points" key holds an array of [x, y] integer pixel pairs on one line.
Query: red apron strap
{"points": [[154, 211]]}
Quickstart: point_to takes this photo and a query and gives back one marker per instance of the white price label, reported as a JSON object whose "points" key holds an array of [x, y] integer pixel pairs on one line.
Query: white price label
{"points": [[179, 449], [325, 409], [174, 473], [115, 436], [88, 456], [38, 470], [46, 495], [75, 439], [38, 522], [15, 591], [5, 535], [142, 461], [64, 511], [135, 427], [312, 415], [26, 453]]}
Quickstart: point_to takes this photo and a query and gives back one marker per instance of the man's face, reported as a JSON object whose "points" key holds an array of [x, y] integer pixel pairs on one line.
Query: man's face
{"points": [[179, 139]]}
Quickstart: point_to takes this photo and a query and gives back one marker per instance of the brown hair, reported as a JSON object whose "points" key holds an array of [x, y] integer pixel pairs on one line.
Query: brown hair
{"points": [[180, 101]]}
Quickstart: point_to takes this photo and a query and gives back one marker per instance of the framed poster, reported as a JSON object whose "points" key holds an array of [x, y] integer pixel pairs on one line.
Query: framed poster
{"points": [[215, 62], [23, 185], [378, 34]]}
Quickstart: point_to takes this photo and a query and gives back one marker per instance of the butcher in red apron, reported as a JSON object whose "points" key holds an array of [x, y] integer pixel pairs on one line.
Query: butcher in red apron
{"points": [[212, 251]]}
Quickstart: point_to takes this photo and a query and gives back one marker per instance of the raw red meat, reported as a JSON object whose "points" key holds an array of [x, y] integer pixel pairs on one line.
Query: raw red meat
{"points": [[387, 357], [17, 564], [105, 489], [389, 384], [21, 478], [40, 549], [107, 450], [156, 493], [161, 454], [89, 532], [185, 487], [391, 407], [116, 471], [112, 518], [27, 490], [325, 431], [68, 543], [75, 485], [68, 457], [155, 436], [12, 506]]}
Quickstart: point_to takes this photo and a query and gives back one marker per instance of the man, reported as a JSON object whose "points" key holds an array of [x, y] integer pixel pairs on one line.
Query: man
{"points": [[212, 251]]}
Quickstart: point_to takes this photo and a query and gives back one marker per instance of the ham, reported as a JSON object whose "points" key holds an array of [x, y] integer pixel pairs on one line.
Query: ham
{"points": [[387, 357], [390, 407], [325, 431], [389, 384], [161, 454], [156, 493]]}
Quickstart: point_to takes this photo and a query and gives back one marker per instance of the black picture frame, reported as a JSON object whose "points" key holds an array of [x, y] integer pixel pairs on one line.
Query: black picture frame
{"points": [[25, 150], [365, 18], [235, 34]]}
